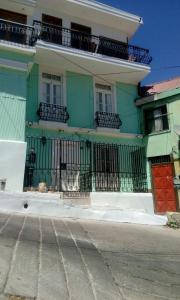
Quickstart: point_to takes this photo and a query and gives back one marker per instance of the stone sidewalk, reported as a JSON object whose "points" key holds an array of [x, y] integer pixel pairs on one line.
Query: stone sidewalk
{"points": [[54, 259]]}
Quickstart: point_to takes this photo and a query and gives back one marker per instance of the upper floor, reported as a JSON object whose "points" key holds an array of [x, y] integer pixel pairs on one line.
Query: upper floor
{"points": [[160, 122], [88, 30]]}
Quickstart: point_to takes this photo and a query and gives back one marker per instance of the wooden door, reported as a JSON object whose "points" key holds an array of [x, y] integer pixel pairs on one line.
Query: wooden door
{"points": [[164, 192]]}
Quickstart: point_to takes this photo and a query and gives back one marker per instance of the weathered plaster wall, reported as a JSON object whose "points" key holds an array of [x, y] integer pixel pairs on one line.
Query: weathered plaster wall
{"points": [[12, 104], [80, 100], [126, 95], [12, 163], [32, 94]]}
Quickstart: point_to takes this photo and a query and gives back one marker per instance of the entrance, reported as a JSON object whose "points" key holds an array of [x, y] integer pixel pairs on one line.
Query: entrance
{"points": [[164, 193]]}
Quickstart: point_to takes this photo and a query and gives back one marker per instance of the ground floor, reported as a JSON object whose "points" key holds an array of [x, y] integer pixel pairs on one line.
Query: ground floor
{"points": [[48, 258], [84, 163]]}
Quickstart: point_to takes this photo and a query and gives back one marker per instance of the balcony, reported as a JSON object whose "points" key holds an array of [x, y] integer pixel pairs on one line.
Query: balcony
{"points": [[91, 43], [52, 112], [108, 120], [17, 33]]}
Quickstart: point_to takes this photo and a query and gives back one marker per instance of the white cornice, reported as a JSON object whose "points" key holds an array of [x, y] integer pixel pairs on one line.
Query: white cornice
{"points": [[31, 3], [5, 45], [108, 9], [66, 129], [95, 56]]}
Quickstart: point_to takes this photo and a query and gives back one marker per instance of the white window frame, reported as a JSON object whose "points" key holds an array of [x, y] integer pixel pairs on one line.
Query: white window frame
{"points": [[112, 92], [56, 73]]}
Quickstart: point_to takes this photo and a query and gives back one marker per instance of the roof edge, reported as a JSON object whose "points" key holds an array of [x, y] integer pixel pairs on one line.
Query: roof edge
{"points": [[109, 9]]}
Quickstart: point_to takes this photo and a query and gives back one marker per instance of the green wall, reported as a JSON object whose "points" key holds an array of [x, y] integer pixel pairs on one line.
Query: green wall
{"points": [[126, 95], [164, 142], [80, 100], [32, 94], [15, 56], [12, 104]]}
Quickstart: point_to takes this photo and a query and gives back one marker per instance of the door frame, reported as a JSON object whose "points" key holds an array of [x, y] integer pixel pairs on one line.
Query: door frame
{"points": [[153, 189]]}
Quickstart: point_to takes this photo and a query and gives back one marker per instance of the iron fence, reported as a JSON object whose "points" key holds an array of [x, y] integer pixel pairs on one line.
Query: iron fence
{"points": [[84, 166]]}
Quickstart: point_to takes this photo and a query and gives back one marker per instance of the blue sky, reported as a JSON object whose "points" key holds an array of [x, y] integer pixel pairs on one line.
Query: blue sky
{"points": [[160, 33]]}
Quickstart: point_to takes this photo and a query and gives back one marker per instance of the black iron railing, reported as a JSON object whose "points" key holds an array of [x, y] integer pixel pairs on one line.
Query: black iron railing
{"points": [[52, 112], [91, 43], [81, 166], [108, 120], [17, 33], [28, 35]]}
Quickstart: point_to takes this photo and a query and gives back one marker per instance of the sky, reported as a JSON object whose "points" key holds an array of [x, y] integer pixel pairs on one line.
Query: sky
{"points": [[160, 34]]}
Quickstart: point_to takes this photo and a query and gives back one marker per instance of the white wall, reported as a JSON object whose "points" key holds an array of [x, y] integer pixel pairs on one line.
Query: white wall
{"points": [[96, 28], [124, 201], [12, 164]]}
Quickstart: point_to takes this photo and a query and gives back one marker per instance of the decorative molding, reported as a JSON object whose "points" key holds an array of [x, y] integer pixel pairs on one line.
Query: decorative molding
{"points": [[13, 64], [65, 128]]}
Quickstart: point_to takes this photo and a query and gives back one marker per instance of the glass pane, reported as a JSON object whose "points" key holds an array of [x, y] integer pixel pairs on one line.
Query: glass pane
{"points": [[158, 123], [99, 101], [108, 103], [57, 94], [46, 92]]}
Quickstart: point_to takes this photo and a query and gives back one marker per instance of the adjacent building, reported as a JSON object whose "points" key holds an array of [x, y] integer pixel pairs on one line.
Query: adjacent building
{"points": [[160, 124], [68, 82]]}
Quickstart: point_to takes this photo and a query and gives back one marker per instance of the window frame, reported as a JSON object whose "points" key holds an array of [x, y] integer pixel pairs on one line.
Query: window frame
{"points": [[105, 92], [62, 83], [150, 128]]}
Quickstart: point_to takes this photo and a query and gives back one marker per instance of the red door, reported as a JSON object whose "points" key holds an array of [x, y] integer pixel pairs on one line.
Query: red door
{"points": [[164, 193]]}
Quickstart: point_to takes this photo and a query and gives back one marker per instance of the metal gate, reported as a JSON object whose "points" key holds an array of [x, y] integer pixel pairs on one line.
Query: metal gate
{"points": [[83, 166], [164, 192], [62, 165]]}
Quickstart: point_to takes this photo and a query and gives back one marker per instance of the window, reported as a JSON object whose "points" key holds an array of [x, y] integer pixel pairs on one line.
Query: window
{"points": [[104, 98], [156, 119], [52, 89]]}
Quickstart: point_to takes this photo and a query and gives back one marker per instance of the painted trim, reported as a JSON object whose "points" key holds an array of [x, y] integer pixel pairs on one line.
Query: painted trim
{"points": [[108, 9], [157, 96], [93, 56], [31, 3], [52, 125], [5, 45], [47, 69], [13, 64], [87, 131]]}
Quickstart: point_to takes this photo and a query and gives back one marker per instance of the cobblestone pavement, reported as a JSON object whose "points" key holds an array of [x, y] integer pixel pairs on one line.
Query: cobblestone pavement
{"points": [[54, 259]]}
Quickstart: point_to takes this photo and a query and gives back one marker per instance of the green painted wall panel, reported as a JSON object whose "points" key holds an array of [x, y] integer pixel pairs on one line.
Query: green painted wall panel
{"points": [[164, 142], [12, 104], [32, 94], [126, 95], [80, 100], [12, 55]]}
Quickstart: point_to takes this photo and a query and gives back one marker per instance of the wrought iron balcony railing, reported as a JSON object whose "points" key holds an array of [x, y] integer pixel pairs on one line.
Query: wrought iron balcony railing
{"points": [[52, 112], [108, 120], [17, 33], [91, 43]]}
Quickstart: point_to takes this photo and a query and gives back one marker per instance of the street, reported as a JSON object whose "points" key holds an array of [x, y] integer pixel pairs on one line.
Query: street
{"points": [[50, 259]]}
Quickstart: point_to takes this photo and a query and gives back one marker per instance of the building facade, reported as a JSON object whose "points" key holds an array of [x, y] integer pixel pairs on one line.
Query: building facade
{"points": [[69, 83], [160, 124]]}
